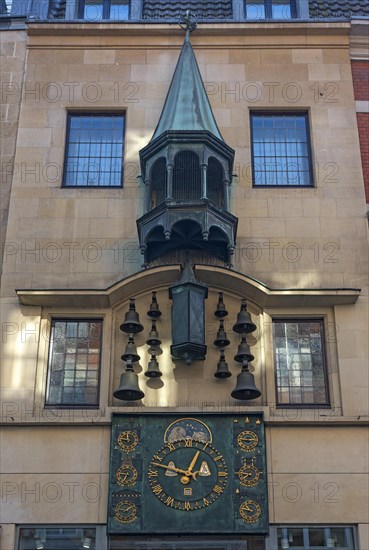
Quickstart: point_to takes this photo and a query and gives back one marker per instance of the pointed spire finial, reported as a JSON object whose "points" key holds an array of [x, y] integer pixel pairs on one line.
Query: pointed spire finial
{"points": [[188, 22]]}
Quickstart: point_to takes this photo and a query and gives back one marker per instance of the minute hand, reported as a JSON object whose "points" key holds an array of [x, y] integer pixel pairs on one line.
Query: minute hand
{"points": [[193, 462]]}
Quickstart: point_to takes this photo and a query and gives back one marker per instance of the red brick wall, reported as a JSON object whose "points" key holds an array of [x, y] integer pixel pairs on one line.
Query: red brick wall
{"points": [[360, 75], [363, 124]]}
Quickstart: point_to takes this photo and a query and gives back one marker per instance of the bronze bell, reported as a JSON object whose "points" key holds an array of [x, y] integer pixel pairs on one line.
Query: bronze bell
{"points": [[222, 367], [245, 388], [153, 370], [153, 339], [244, 323], [154, 311], [131, 323], [221, 311], [131, 352], [243, 351], [128, 389], [221, 339]]}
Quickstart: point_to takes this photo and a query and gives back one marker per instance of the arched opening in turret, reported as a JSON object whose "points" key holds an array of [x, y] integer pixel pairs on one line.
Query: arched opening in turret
{"points": [[214, 180], [158, 182], [186, 176]]}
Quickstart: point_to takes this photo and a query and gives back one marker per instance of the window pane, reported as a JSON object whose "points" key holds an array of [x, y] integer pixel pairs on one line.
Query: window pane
{"points": [[94, 151], [93, 10], [119, 10], [280, 149], [74, 363], [51, 538], [299, 362], [281, 9], [313, 538], [255, 9]]}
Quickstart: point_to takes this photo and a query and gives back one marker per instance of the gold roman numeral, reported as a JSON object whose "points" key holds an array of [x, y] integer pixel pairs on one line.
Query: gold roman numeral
{"points": [[157, 457], [188, 442], [220, 457], [169, 501], [152, 473], [187, 505], [218, 490], [171, 447], [157, 489], [206, 502]]}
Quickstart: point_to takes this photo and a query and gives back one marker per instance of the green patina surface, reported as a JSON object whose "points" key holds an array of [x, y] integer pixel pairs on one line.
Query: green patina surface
{"points": [[188, 474]]}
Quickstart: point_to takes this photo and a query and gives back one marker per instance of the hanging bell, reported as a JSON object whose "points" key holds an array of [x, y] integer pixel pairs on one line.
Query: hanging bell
{"points": [[153, 370], [128, 389], [221, 311], [130, 351], [245, 388], [131, 323], [153, 339], [222, 367], [243, 351], [221, 339], [154, 311], [244, 323]]}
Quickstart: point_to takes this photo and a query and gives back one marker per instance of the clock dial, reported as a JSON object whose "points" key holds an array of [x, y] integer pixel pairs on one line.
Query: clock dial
{"points": [[127, 475], [188, 475], [125, 511], [180, 474], [127, 440], [247, 440], [250, 511], [249, 475]]}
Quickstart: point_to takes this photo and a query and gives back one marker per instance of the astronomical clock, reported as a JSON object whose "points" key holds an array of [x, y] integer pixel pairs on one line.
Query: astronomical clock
{"points": [[188, 474]]}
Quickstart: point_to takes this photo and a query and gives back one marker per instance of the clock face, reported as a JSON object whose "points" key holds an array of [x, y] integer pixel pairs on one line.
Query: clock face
{"points": [[173, 474], [127, 440], [127, 475], [247, 440], [249, 475], [125, 511], [187, 474], [250, 511]]}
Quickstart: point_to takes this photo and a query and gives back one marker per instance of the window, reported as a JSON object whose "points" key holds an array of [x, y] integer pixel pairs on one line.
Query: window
{"points": [[215, 182], [315, 538], [270, 9], [300, 367], [281, 150], [57, 538], [95, 10], [159, 182], [94, 150], [186, 176], [74, 363]]}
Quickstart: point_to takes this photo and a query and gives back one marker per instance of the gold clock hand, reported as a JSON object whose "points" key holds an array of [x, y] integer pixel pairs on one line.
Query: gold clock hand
{"points": [[193, 462], [172, 468]]}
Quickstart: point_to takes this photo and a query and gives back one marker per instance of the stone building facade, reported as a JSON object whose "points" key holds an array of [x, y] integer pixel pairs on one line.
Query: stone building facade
{"points": [[266, 204]]}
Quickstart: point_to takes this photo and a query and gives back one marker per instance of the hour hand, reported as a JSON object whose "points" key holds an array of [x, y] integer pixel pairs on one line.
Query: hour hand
{"points": [[171, 468]]}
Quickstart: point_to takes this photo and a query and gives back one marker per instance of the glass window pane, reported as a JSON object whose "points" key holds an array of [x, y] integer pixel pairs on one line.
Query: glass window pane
{"points": [[93, 10], [62, 538], [281, 9], [94, 151], [119, 10], [297, 354], [280, 150], [255, 9], [70, 361]]}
